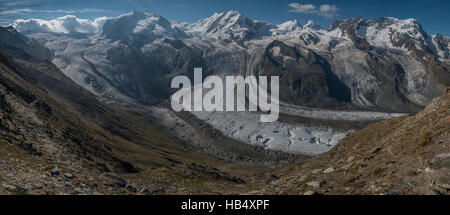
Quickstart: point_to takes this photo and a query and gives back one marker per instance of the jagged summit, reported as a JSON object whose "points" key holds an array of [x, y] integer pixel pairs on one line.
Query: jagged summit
{"points": [[290, 25], [233, 25], [312, 25], [286, 28], [229, 25], [384, 32]]}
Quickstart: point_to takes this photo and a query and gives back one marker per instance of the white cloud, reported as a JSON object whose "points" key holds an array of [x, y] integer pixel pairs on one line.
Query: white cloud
{"points": [[65, 24], [328, 10], [325, 10], [302, 8], [13, 3], [24, 10]]}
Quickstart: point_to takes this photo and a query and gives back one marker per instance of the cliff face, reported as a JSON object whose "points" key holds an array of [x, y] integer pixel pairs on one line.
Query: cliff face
{"points": [[305, 77], [406, 155]]}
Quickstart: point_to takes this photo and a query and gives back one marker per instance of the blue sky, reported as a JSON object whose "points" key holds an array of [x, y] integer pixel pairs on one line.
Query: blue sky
{"points": [[433, 15]]}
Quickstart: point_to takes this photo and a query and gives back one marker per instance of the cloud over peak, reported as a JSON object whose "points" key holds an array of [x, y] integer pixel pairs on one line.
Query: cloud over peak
{"points": [[325, 10], [66, 24]]}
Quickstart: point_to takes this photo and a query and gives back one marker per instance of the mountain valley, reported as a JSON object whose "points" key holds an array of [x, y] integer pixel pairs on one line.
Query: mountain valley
{"points": [[89, 112]]}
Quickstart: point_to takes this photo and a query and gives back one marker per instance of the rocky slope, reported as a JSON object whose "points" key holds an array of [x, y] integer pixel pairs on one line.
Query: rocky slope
{"points": [[405, 155], [10, 36]]}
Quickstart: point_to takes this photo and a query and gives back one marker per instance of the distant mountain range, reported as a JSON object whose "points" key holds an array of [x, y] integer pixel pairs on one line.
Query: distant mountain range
{"points": [[385, 64]]}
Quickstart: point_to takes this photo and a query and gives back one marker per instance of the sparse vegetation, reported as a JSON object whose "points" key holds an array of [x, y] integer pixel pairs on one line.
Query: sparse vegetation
{"points": [[400, 156]]}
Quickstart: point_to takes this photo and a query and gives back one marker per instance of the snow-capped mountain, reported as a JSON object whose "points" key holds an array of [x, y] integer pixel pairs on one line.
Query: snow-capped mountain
{"points": [[230, 25], [391, 33], [230, 43], [287, 28], [385, 64], [140, 26]]}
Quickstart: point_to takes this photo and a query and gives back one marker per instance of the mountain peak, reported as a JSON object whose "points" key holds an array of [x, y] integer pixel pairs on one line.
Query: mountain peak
{"points": [[10, 29], [233, 17], [229, 25], [384, 32], [312, 25], [147, 24], [233, 13], [289, 25], [286, 28], [131, 14]]}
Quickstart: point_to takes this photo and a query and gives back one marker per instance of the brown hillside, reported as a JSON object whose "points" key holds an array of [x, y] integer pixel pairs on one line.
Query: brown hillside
{"points": [[405, 155]]}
